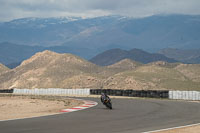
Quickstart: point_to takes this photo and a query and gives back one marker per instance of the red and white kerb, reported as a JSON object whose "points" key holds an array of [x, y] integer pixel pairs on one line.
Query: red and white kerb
{"points": [[87, 104]]}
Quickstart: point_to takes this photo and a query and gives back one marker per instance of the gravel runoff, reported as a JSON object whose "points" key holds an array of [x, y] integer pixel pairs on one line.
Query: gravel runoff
{"points": [[18, 107]]}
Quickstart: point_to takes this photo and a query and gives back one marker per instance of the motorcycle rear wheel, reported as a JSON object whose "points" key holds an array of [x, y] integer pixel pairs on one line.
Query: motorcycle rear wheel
{"points": [[109, 105]]}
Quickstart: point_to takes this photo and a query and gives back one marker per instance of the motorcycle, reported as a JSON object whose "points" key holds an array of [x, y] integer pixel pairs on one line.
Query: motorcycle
{"points": [[108, 103]]}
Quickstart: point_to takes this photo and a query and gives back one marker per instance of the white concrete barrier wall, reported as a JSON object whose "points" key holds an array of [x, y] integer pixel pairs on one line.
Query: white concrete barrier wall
{"points": [[185, 95], [52, 91]]}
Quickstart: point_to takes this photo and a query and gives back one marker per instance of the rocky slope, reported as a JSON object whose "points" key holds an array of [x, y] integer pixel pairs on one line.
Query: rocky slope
{"points": [[125, 64], [3, 69], [155, 77]]}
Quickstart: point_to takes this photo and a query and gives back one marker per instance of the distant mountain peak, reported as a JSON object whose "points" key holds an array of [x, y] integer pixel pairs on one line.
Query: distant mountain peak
{"points": [[139, 51]]}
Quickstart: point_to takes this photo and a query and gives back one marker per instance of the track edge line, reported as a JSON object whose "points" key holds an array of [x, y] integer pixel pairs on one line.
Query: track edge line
{"points": [[172, 128]]}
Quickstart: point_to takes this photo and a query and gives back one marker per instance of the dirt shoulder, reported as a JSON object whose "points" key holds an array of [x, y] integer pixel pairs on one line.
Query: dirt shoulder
{"points": [[15, 107]]}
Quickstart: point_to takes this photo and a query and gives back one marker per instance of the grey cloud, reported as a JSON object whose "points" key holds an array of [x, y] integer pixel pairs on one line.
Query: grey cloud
{"points": [[10, 9]]}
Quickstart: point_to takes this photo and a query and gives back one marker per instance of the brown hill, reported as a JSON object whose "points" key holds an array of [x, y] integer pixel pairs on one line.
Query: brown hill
{"points": [[164, 64], [52, 70], [152, 77], [49, 69], [125, 64], [3, 68], [191, 71]]}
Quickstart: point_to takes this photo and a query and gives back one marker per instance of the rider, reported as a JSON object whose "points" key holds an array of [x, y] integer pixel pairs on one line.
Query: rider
{"points": [[104, 97]]}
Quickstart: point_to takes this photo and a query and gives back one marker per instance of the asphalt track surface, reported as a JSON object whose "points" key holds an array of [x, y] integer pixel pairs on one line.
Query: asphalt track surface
{"points": [[128, 116]]}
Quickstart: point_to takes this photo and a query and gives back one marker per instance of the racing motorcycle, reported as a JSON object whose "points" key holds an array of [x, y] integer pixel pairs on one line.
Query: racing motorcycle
{"points": [[107, 102]]}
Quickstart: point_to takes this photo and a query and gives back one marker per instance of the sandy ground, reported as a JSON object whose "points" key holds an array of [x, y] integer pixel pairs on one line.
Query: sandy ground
{"points": [[14, 107], [192, 129]]}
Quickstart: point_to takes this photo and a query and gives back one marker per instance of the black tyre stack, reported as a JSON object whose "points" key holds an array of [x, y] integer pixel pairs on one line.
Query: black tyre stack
{"points": [[6, 91], [132, 93]]}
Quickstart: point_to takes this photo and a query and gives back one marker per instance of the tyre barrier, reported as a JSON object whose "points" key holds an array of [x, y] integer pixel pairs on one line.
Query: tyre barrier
{"points": [[7, 91], [132, 93]]}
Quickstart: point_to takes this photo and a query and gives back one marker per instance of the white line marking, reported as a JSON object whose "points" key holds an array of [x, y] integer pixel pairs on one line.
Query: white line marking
{"points": [[197, 124]]}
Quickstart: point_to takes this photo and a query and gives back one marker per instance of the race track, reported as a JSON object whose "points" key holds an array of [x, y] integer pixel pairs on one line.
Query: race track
{"points": [[128, 116]]}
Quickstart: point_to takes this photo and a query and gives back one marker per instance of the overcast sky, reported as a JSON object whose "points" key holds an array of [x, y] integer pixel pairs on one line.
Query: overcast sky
{"points": [[12, 9]]}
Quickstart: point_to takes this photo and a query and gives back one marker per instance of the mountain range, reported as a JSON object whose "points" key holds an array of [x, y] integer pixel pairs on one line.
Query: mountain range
{"points": [[107, 32], [12, 55], [186, 56], [53, 70], [22, 38]]}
